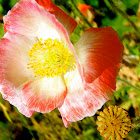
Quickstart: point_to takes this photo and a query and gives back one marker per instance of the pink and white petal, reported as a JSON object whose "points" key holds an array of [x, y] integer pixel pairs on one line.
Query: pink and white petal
{"points": [[87, 98], [12, 69], [10, 94], [65, 122], [28, 18], [98, 49], [45, 94], [14, 58], [61, 16]]}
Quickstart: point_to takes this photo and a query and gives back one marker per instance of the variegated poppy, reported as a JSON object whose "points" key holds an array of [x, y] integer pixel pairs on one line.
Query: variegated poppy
{"points": [[40, 69]]}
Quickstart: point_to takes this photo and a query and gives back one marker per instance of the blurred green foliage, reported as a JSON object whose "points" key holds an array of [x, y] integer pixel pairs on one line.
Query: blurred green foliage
{"points": [[124, 17]]}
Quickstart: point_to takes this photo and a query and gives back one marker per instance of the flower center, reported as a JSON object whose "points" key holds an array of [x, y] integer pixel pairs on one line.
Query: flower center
{"points": [[50, 58]]}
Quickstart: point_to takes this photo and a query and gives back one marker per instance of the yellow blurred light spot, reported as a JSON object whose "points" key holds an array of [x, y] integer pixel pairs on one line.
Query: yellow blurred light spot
{"points": [[50, 58]]}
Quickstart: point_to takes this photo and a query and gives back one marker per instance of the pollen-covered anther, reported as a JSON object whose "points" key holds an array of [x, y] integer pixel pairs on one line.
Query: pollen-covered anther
{"points": [[50, 58], [114, 123]]}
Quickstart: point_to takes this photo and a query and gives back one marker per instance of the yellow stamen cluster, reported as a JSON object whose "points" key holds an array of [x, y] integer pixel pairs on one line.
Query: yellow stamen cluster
{"points": [[50, 58], [114, 123]]}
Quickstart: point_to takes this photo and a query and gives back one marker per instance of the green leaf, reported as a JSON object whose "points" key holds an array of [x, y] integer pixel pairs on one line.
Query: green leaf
{"points": [[1, 31], [117, 23], [131, 4], [94, 3], [12, 3]]}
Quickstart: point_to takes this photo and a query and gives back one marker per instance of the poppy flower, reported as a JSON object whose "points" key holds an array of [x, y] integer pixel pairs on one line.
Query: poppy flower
{"points": [[84, 8], [40, 69]]}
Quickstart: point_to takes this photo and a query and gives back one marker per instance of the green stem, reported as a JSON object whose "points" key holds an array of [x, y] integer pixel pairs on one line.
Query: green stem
{"points": [[74, 7], [116, 8], [127, 83]]}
